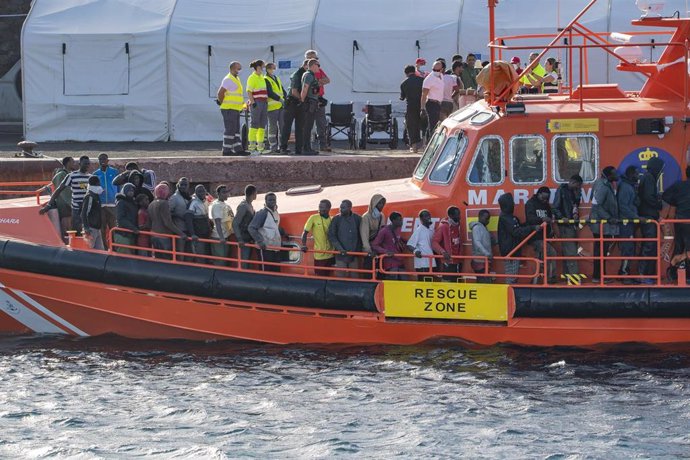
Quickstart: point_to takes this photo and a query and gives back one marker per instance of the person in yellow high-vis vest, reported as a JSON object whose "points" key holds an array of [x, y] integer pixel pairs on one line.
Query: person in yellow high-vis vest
{"points": [[258, 100], [230, 98], [276, 100]]}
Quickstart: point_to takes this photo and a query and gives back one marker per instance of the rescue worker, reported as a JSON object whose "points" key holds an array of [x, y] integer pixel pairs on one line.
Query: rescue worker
{"points": [[536, 72], [231, 101], [258, 103], [628, 201], [294, 112], [321, 121], [650, 205], [276, 100], [310, 103]]}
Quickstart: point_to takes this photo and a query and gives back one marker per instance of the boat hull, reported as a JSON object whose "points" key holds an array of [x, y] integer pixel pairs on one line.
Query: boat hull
{"points": [[34, 303]]}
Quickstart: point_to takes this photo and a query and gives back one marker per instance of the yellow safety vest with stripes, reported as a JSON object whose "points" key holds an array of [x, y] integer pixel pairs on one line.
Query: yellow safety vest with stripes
{"points": [[276, 87], [233, 100]]}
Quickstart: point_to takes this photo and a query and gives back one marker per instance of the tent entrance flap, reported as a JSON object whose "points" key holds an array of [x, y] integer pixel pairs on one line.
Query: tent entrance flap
{"points": [[373, 59], [93, 67]]}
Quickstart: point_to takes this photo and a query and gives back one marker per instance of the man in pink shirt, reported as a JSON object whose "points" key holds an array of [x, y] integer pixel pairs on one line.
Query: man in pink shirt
{"points": [[321, 123]]}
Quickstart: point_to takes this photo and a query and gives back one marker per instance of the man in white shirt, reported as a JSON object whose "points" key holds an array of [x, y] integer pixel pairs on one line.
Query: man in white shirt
{"points": [[222, 216], [450, 84], [420, 243], [432, 95]]}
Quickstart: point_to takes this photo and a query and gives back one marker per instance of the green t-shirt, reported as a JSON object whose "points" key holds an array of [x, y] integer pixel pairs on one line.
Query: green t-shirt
{"points": [[318, 227]]}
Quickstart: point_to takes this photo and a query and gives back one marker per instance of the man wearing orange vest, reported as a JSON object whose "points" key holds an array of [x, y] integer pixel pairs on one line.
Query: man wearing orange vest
{"points": [[231, 100]]}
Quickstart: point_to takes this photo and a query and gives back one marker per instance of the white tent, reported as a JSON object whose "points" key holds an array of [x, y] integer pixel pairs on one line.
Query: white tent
{"points": [[96, 70], [149, 69], [206, 35]]}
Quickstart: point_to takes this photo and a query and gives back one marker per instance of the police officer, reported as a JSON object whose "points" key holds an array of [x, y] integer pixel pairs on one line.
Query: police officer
{"points": [[294, 112], [231, 101], [310, 103]]}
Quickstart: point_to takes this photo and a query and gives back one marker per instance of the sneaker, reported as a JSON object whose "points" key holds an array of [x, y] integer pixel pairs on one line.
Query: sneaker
{"points": [[267, 152], [253, 153]]}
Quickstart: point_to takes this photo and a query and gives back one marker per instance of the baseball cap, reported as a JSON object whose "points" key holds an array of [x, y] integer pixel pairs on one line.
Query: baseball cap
{"points": [[420, 61], [515, 60]]}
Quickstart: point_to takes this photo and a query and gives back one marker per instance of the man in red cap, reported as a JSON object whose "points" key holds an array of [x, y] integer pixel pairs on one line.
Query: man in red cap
{"points": [[516, 64], [419, 67]]}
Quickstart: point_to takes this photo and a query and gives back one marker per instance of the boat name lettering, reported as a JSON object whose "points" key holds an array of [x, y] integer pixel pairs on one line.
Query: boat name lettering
{"points": [[480, 196], [9, 220]]}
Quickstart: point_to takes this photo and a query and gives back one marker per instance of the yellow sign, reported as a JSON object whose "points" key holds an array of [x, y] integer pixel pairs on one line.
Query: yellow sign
{"points": [[478, 302], [573, 125]]}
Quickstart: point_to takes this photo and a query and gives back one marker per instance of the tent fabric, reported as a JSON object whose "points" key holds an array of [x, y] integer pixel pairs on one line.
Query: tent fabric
{"points": [[150, 71], [96, 70]]}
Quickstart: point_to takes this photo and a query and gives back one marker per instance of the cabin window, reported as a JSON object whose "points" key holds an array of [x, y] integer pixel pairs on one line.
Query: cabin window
{"points": [[527, 164], [488, 164], [448, 160], [575, 154], [429, 153]]}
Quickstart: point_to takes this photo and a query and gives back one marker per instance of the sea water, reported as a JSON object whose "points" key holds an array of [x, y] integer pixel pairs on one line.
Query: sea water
{"points": [[116, 398]]}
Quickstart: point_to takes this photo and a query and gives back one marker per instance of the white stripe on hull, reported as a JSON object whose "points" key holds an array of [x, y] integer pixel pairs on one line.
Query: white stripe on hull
{"points": [[26, 316], [49, 313]]}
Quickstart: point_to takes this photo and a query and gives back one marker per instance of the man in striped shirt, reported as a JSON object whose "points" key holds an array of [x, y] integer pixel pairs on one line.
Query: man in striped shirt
{"points": [[78, 182]]}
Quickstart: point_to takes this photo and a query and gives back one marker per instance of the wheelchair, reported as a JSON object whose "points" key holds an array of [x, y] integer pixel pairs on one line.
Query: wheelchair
{"points": [[379, 118], [341, 119]]}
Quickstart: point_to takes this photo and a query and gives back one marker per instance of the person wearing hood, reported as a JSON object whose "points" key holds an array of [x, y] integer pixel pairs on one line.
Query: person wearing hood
{"points": [[371, 222], [511, 232], [198, 224], [137, 179], [179, 202], [628, 201], [538, 212], [649, 208], [91, 214], [388, 243], [481, 245], [148, 174], [566, 206], [420, 243], [605, 207], [265, 229], [126, 210], [447, 241], [161, 222]]}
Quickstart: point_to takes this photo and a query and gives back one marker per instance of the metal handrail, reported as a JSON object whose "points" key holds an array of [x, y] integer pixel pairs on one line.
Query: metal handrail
{"points": [[43, 186]]}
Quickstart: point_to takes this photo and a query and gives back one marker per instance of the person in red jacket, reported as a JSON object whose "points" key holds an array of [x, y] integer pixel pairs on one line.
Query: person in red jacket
{"points": [[388, 242], [447, 242]]}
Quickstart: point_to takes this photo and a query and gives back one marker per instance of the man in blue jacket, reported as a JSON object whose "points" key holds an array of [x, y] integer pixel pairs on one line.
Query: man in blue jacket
{"points": [[106, 174]]}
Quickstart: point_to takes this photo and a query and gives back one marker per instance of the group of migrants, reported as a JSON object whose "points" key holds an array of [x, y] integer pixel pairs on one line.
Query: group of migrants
{"points": [[348, 244], [274, 108]]}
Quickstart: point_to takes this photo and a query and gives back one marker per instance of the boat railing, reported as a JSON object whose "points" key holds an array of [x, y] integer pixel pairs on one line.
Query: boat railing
{"points": [[602, 240], [234, 260], [29, 185], [576, 31], [487, 271]]}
